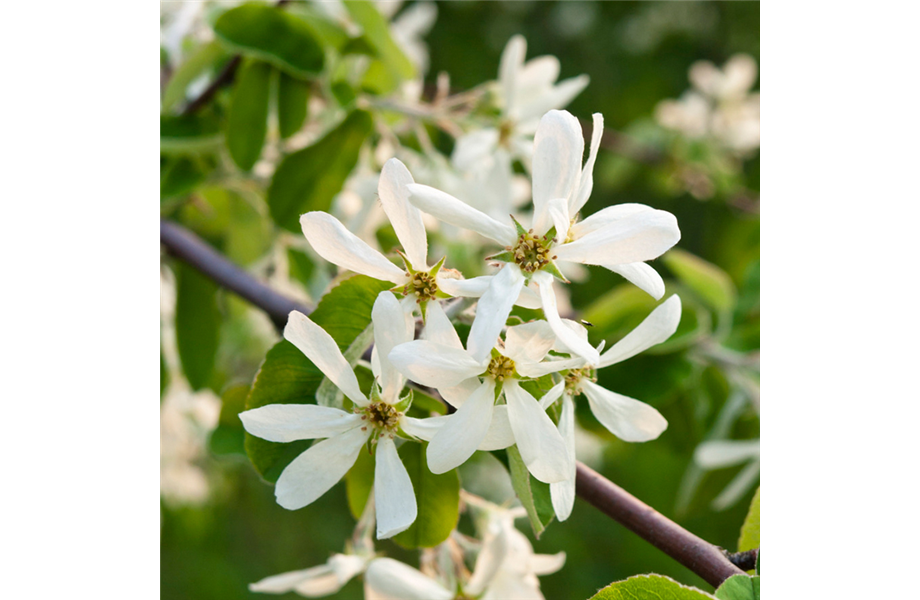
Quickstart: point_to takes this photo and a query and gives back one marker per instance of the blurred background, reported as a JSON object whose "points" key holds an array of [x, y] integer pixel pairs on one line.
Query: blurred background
{"points": [[221, 528]]}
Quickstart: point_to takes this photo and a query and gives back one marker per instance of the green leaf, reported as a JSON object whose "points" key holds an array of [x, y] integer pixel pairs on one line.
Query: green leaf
{"points": [[197, 324], [293, 95], [650, 587], [739, 587], [194, 66], [711, 284], [179, 175], [199, 132], [227, 437], [164, 375], [358, 482], [750, 530], [437, 497], [248, 120], [393, 66], [288, 377], [327, 32], [272, 35], [300, 266], [533, 494], [310, 178]]}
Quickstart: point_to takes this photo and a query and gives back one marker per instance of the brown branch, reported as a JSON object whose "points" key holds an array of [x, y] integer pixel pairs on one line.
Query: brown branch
{"points": [[706, 560], [698, 555], [185, 245]]}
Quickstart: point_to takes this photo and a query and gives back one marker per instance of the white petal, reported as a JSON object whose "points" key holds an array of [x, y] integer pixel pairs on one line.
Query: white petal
{"points": [[492, 311], [450, 210], [544, 564], [606, 216], [394, 499], [529, 298], [473, 149], [586, 182], [395, 580], [461, 435], [537, 438], [642, 276], [512, 60], [628, 419], [320, 467], [289, 422], [558, 97], [339, 246], [465, 288], [433, 364], [552, 395], [563, 492], [558, 148], [568, 337], [725, 453], [391, 328], [500, 434], [404, 216], [347, 566], [656, 328], [529, 342], [320, 578], [538, 75], [456, 395], [642, 236], [438, 328], [423, 429], [537, 370], [321, 349], [557, 211]]}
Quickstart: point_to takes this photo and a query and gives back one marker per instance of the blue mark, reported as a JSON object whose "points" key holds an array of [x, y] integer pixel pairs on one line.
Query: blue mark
{"points": [[763, 172]]}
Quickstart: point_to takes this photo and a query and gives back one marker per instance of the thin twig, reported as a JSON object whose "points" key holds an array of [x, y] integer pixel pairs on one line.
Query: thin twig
{"points": [[706, 560]]}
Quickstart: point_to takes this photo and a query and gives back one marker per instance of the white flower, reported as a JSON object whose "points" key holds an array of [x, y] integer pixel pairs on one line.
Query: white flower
{"points": [[628, 419], [527, 90], [316, 581], [378, 420], [619, 238], [440, 361], [718, 454], [506, 569]]}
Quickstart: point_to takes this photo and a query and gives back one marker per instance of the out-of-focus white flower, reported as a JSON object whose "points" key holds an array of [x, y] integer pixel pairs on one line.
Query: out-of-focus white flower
{"points": [[440, 361], [627, 418], [720, 106], [526, 92], [377, 419], [719, 454], [506, 569], [410, 27], [619, 238], [314, 582], [186, 419]]}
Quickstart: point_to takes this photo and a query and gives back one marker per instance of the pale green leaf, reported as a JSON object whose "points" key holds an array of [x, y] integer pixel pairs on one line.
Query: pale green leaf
{"points": [[194, 66], [437, 497], [739, 587], [533, 494], [709, 282], [750, 530], [293, 95], [650, 587]]}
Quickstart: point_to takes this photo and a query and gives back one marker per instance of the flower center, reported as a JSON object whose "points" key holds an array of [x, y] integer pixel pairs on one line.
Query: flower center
{"points": [[574, 378], [423, 285], [501, 368], [381, 416], [531, 252]]}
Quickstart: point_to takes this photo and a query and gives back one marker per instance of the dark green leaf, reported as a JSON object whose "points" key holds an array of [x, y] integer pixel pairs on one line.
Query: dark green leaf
{"points": [[344, 94], [437, 496], [197, 324], [164, 375], [179, 175], [327, 32], [270, 34], [310, 178], [248, 120], [650, 587], [199, 132], [300, 266], [358, 482], [293, 95]]}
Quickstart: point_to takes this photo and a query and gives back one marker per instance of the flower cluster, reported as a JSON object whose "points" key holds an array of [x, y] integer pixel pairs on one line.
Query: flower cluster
{"points": [[492, 381]]}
